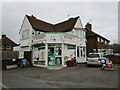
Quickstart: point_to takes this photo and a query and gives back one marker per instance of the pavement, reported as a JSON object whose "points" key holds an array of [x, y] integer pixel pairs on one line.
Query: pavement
{"points": [[79, 76]]}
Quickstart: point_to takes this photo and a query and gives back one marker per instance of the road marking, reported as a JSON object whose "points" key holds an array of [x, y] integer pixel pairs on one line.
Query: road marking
{"points": [[3, 85]]}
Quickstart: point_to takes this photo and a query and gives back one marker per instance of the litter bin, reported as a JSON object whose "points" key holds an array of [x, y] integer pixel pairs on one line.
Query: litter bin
{"points": [[23, 63], [75, 63], [71, 63]]}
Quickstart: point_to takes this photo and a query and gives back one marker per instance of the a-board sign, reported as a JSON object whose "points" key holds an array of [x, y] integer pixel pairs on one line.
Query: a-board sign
{"points": [[21, 54]]}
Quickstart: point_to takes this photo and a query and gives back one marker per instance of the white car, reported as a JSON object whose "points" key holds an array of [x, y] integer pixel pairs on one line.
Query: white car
{"points": [[95, 58]]}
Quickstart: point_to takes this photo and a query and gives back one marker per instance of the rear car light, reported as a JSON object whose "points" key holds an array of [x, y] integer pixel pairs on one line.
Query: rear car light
{"points": [[99, 59]]}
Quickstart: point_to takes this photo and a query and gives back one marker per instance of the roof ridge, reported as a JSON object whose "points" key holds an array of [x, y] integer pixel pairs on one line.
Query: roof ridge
{"points": [[68, 20], [41, 25], [98, 34], [39, 19]]}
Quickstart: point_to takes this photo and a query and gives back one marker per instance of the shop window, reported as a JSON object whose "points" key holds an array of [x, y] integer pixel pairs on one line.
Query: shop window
{"points": [[39, 55], [54, 55], [59, 51], [50, 51]]}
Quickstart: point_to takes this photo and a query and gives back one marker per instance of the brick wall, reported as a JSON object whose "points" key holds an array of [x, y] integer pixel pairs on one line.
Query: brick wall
{"points": [[115, 59], [91, 44], [102, 45]]}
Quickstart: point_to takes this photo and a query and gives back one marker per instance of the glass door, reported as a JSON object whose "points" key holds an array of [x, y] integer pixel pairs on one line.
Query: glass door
{"points": [[54, 56], [58, 58]]}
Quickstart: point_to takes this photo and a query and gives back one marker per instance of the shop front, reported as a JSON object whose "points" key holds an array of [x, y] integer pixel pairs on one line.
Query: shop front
{"points": [[47, 55], [53, 54], [56, 51]]}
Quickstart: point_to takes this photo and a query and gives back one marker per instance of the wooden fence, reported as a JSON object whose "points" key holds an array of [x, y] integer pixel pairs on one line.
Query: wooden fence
{"points": [[6, 58]]}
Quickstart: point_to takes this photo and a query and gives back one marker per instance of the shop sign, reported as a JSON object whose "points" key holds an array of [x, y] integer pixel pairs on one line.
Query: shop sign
{"points": [[55, 45], [68, 37], [54, 36], [37, 38]]}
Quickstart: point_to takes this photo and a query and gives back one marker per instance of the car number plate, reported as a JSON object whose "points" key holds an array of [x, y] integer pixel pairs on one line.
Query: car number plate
{"points": [[92, 61]]}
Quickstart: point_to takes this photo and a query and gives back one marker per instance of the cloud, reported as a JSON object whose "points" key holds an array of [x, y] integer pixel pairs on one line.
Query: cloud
{"points": [[103, 15]]}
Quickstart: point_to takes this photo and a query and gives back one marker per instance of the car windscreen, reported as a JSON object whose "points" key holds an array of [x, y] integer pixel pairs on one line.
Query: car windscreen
{"points": [[93, 55]]}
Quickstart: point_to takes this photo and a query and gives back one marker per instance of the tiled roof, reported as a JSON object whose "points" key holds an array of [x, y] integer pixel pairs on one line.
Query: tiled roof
{"points": [[47, 27], [91, 33], [6, 41]]}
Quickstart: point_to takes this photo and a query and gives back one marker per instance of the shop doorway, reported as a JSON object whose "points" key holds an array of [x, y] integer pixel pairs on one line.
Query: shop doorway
{"points": [[81, 54], [54, 56]]}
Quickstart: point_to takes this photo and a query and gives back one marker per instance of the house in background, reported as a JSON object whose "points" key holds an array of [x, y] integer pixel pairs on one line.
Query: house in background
{"points": [[53, 44], [96, 42], [6, 43]]}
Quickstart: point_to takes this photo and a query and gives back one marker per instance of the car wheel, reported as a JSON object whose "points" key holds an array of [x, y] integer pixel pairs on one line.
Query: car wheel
{"points": [[88, 65]]}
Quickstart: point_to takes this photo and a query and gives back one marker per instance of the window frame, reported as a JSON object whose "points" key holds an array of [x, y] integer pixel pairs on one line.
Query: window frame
{"points": [[27, 34], [8, 47]]}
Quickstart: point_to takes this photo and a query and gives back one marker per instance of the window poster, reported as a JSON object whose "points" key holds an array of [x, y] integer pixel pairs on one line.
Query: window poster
{"points": [[39, 55], [69, 54]]}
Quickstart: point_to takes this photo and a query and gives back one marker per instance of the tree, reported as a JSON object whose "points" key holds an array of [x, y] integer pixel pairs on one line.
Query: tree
{"points": [[115, 47]]}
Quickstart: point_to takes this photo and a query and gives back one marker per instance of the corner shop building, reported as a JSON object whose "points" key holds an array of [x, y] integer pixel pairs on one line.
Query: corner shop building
{"points": [[53, 44]]}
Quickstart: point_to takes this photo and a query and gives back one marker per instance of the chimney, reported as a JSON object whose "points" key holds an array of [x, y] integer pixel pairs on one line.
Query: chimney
{"points": [[3, 35], [33, 16], [88, 26]]}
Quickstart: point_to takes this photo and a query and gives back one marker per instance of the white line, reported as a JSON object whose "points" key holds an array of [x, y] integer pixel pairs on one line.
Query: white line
{"points": [[3, 85]]}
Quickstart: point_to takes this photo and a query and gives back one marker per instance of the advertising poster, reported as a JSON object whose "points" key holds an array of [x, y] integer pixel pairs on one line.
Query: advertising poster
{"points": [[21, 54], [39, 55], [69, 54]]}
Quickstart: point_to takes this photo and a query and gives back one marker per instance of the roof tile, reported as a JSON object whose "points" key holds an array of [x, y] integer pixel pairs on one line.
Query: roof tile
{"points": [[47, 27]]}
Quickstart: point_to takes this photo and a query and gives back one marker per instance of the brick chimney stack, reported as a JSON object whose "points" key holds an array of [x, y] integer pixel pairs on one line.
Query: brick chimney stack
{"points": [[88, 26], [3, 35]]}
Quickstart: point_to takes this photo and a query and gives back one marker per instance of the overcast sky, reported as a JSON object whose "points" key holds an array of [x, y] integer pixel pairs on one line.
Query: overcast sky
{"points": [[102, 15]]}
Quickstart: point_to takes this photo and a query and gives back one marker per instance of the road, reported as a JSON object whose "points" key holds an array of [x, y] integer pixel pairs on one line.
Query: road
{"points": [[79, 76]]}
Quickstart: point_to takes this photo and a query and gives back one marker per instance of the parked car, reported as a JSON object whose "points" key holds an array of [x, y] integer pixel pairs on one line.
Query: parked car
{"points": [[95, 58], [117, 54]]}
